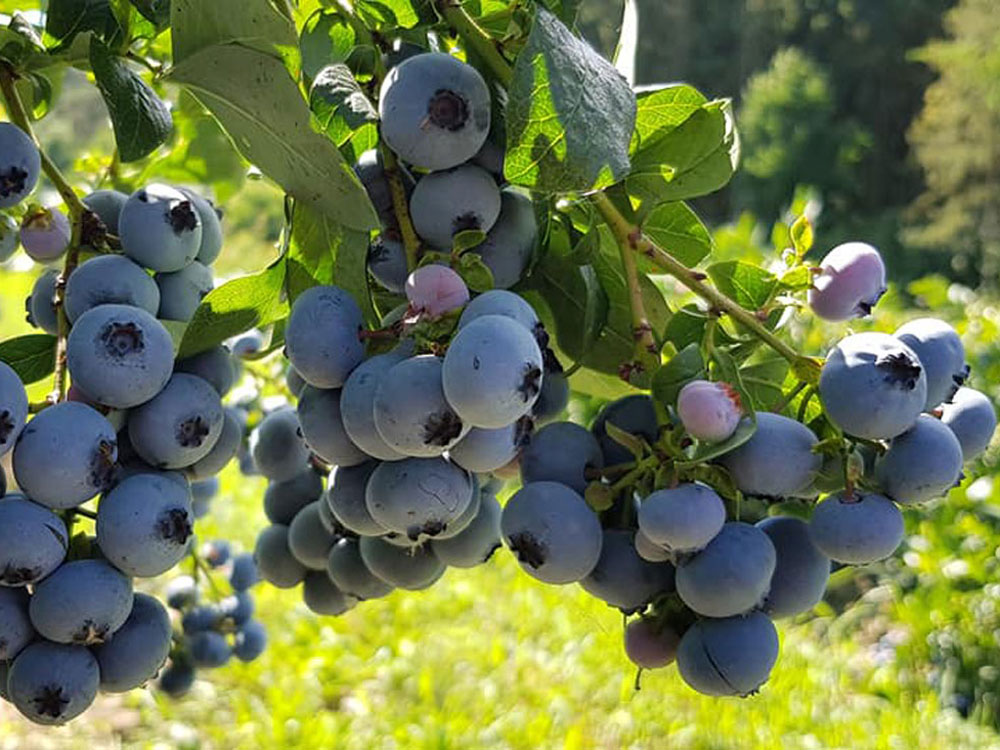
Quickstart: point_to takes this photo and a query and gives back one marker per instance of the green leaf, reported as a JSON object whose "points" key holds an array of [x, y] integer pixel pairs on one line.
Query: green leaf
{"points": [[325, 252], [342, 109], [683, 367], [235, 307], [256, 24], [176, 329], [662, 110], [32, 357], [796, 279], [802, 235], [259, 105], [326, 39], [570, 115], [632, 443], [157, 12], [64, 19], [466, 240], [677, 229], [695, 158], [388, 13], [747, 284], [764, 377], [476, 275], [578, 304], [140, 120]]}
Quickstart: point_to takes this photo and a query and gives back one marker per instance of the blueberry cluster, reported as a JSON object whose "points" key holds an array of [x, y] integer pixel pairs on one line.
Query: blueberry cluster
{"points": [[213, 630]]}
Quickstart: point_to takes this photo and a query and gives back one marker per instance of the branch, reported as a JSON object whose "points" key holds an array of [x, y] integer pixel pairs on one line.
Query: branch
{"points": [[480, 42]]}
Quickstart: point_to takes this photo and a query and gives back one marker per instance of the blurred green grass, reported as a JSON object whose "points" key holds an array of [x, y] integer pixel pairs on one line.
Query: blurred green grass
{"points": [[487, 658]]}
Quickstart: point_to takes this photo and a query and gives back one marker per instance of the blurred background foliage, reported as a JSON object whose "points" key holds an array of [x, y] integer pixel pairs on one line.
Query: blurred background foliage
{"points": [[880, 120]]}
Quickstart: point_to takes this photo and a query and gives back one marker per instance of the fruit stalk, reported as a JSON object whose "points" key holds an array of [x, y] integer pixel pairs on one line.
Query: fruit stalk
{"points": [[466, 28]]}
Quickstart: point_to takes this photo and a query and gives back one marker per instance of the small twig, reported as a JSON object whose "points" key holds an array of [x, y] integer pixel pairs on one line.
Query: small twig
{"points": [[86, 513], [474, 36], [784, 402]]}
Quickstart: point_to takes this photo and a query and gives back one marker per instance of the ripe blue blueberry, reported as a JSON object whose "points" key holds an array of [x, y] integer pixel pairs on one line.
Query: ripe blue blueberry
{"points": [[278, 448], [274, 559], [387, 263], [121, 356], [222, 452], [446, 203], [143, 525], [357, 403], [202, 617], [13, 407], [308, 539], [45, 234], [682, 519], [649, 644], [873, 386], [180, 425], [244, 572], [940, 351], [209, 649], [160, 229], [418, 497], [322, 597], [346, 499], [82, 602], [731, 575], [294, 381], [483, 450], [250, 641], [33, 541], [20, 164], [850, 283], [777, 461], [216, 365], [138, 648], [16, 630], [86, 445], [858, 530], [634, 414], [40, 304], [923, 463], [490, 157], [476, 543], [181, 592], [51, 683], [973, 418], [561, 452], [508, 304], [110, 279], [408, 568], [8, 237], [552, 531], [108, 205], [211, 227], [510, 244], [801, 571], [282, 500], [371, 173], [624, 580], [321, 338], [237, 609], [492, 372], [322, 425], [350, 574], [434, 110], [182, 291], [177, 679], [731, 656]]}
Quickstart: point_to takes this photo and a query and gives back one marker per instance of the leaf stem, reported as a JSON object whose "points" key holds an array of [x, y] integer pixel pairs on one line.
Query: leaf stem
{"points": [[480, 42]]}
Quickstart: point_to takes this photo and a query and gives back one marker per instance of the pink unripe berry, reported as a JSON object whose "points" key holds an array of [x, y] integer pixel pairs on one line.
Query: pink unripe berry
{"points": [[851, 282], [649, 646], [45, 234], [435, 290], [710, 411]]}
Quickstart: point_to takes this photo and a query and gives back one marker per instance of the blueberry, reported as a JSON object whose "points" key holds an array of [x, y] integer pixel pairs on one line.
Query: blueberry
{"points": [[346, 498], [873, 386], [510, 244], [357, 404], [649, 550], [82, 602], [413, 569], [247, 344], [13, 407], [850, 283], [446, 203], [244, 573], [329, 521], [250, 641], [143, 525], [777, 461], [308, 540], [274, 559], [435, 290], [731, 656], [138, 649], [490, 157], [110, 279], [45, 234], [485, 450], [20, 164], [387, 263], [476, 543], [371, 173], [923, 463], [180, 425], [418, 497], [210, 649], [40, 305], [492, 372], [282, 500], [295, 382], [51, 683], [108, 205], [85, 445], [277, 445], [624, 580], [634, 414], [238, 608], [322, 597], [682, 519], [466, 517], [160, 229], [411, 413], [561, 452], [182, 291], [321, 338], [973, 418], [223, 451], [216, 552], [322, 425], [650, 645], [200, 618], [8, 237], [211, 227], [16, 630], [940, 351], [801, 571], [710, 412], [204, 489], [552, 531], [177, 679], [181, 592], [553, 398], [434, 110], [731, 575], [350, 574], [508, 304], [216, 365], [856, 531], [33, 541]]}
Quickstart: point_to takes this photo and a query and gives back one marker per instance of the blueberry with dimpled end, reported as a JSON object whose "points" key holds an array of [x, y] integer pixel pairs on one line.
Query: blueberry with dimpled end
{"points": [[160, 229], [850, 283]]}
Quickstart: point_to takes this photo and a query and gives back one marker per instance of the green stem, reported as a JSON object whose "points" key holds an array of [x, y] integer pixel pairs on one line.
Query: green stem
{"points": [[783, 404], [477, 39]]}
